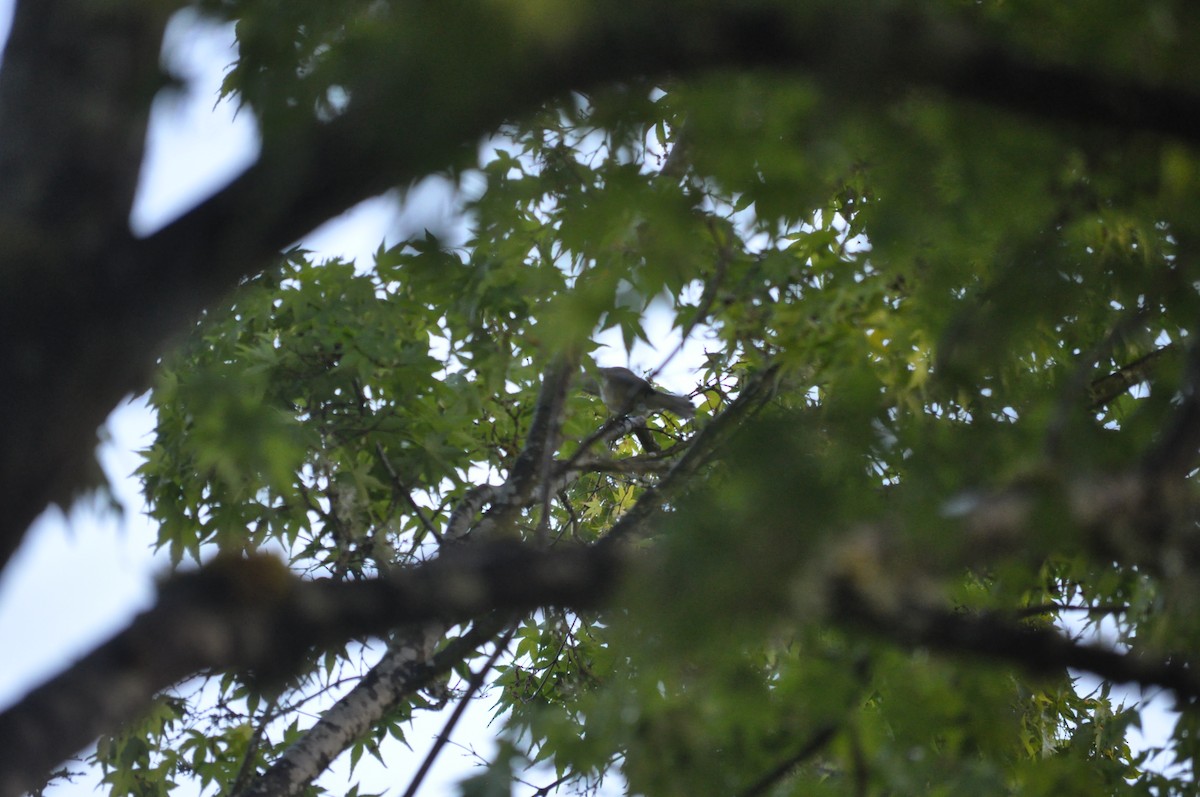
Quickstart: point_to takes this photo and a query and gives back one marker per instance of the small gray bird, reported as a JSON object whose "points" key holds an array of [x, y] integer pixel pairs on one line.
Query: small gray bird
{"points": [[623, 391]]}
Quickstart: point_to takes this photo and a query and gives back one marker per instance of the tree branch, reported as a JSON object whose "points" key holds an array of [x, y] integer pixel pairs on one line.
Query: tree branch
{"points": [[521, 486], [1108, 387], [405, 668], [1037, 650], [75, 90], [817, 742], [253, 614], [398, 487], [473, 686]]}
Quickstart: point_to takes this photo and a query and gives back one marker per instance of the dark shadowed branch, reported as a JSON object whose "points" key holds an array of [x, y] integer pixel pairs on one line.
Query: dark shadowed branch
{"points": [[1039, 650], [253, 615], [1104, 390], [819, 740]]}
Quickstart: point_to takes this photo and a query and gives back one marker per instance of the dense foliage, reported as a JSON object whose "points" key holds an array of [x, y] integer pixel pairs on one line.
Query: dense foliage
{"points": [[947, 418]]}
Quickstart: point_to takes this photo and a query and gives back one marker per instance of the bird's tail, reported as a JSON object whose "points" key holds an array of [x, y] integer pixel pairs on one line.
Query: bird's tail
{"points": [[680, 405]]}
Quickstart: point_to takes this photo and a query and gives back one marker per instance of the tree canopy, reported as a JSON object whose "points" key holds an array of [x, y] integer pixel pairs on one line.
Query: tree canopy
{"points": [[927, 271]]}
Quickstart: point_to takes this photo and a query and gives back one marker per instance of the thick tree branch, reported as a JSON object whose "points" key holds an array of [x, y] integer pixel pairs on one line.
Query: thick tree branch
{"points": [[398, 674], [252, 614], [75, 91], [531, 469], [542, 438], [1037, 650], [405, 668], [1107, 388]]}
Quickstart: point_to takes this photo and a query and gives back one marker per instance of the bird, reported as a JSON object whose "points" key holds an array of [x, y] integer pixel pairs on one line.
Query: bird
{"points": [[623, 391]]}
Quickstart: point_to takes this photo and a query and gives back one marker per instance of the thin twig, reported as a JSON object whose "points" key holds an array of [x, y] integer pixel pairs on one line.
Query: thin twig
{"points": [[550, 667], [473, 686], [814, 745], [404, 491], [543, 791], [606, 429], [724, 257], [1049, 608], [244, 772]]}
